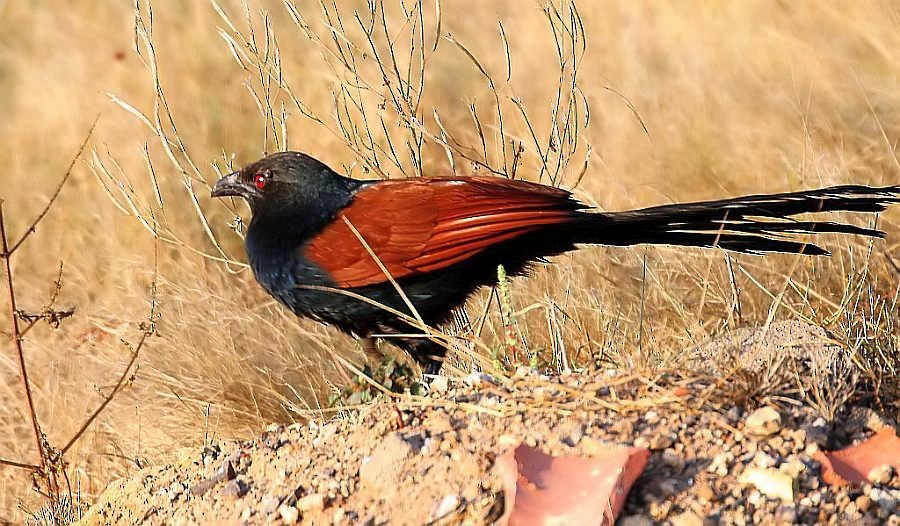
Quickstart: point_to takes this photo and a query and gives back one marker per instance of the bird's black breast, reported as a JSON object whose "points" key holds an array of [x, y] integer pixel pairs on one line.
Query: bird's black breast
{"points": [[275, 251], [308, 291], [281, 269], [281, 228]]}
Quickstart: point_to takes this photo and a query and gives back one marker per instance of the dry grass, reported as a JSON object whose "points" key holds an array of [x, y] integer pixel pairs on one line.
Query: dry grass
{"points": [[687, 101]]}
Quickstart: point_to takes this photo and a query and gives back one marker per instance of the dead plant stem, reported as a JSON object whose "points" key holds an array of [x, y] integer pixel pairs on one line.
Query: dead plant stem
{"points": [[20, 350]]}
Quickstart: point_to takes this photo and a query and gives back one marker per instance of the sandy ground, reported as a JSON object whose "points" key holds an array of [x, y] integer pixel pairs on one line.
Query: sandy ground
{"points": [[433, 459]]}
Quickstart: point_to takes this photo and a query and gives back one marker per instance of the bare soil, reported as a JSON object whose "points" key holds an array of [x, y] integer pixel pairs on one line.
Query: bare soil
{"points": [[431, 459]]}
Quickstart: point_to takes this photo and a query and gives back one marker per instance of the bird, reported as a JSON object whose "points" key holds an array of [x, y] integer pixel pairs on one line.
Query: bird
{"points": [[356, 253]]}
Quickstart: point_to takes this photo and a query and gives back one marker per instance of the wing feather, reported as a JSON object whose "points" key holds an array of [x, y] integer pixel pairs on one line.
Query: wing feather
{"points": [[423, 225]]}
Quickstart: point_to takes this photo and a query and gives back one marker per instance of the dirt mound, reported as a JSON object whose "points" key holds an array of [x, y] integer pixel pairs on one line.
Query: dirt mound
{"points": [[415, 460]]}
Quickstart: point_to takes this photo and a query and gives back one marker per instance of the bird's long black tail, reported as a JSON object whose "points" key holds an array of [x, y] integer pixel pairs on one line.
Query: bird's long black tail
{"points": [[751, 224]]}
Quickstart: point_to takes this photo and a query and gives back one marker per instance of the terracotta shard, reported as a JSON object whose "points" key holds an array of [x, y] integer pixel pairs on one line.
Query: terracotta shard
{"points": [[543, 490], [853, 464]]}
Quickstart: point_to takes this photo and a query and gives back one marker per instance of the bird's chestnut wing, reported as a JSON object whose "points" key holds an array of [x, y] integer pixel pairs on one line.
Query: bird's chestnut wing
{"points": [[423, 225]]}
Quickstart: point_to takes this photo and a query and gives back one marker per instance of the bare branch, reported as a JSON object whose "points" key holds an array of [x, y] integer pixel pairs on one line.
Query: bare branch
{"points": [[106, 400], [21, 465], [16, 336], [31, 228], [148, 329]]}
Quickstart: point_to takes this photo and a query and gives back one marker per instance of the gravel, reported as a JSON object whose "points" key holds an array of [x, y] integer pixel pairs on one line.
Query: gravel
{"points": [[412, 460]]}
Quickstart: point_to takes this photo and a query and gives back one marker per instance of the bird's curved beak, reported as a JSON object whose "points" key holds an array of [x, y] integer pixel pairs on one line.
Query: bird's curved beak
{"points": [[229, 185]]}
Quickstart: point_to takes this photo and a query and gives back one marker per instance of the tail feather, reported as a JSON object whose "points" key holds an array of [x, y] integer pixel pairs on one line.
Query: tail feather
{"points": [[751, 224]]}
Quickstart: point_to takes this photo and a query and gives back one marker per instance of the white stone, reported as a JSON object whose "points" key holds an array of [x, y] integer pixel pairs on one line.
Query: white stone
{"points": [[445, 507], [289, 514], [770, 482], [881, 474], [314, 501], [764, 421]]}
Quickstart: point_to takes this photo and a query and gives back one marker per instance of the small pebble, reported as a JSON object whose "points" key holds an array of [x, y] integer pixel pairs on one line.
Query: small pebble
{"points": [[234, 489], [593, 447], [289, 514], [734, 414], [269, 504], [786, 514], [314, 501], [881, 474], [440, 384], [763, 460], [445, 507], [507, 440], [660, 441], [755, 498], [764, 421], [175, 489], [887, 499], [573, 434], [719, 464], [793, 467], [771, 482]]}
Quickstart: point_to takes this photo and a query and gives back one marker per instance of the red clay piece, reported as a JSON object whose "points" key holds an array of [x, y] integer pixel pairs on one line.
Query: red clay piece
{"points": [[542, 489], [852, 465]]}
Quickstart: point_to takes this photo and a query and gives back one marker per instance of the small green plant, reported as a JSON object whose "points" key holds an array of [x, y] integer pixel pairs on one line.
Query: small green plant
{"points": [[509, 348], [510, 343]]}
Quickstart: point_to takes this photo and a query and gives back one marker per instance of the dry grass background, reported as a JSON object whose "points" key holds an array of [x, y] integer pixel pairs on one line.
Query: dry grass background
{"points": [[740, 97]]}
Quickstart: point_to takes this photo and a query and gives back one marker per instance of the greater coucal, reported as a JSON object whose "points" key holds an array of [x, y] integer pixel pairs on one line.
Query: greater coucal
{"points": [[440, 239]]}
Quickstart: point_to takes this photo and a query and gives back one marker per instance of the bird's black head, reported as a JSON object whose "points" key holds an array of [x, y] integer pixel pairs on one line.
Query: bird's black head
{"points": [[286, 184]]}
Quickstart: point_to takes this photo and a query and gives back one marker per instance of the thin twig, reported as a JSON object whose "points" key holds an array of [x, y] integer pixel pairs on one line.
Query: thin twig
{"points": [[148, 330], [90, 420], [31, 228], [22, 465]]}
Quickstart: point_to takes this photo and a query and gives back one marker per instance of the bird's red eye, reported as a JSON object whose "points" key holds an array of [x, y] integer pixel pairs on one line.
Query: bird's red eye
{"points": [[260, 181]]}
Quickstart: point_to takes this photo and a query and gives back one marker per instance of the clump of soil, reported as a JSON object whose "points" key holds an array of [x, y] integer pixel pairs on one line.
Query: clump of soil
{"points": [[416, 460]]}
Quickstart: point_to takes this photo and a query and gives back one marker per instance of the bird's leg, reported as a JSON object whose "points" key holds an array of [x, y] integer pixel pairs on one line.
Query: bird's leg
{"points": [[433, 366], [429, 354]]}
